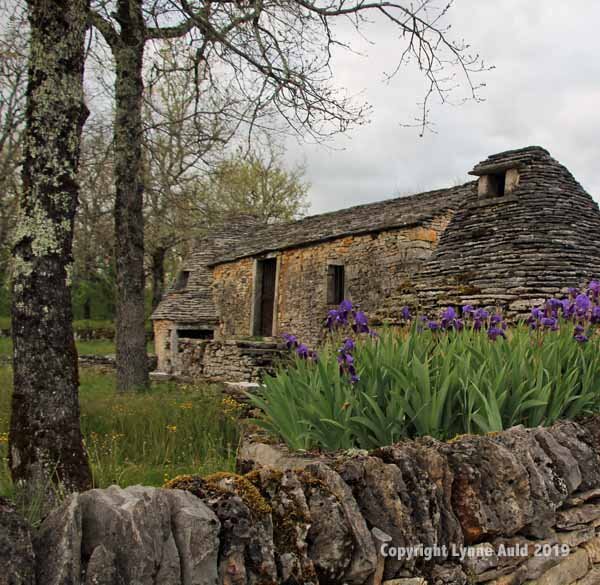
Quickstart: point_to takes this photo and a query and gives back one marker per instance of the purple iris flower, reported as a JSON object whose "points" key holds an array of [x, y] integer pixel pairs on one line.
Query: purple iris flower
{"points": [[578, 329], [537, 313], [291, 341], [302, 351], [496, 319], [595, 315], [594, 287], [361, 323], [554, 303], [405, 312], [467, 309], [345, 306], [477, 324], [550, 322], [581, 338], [433, 325], [495, 332], [354, 378], [349, 344], [481, 314], [568, 308], [449, 314], [582, 304]]}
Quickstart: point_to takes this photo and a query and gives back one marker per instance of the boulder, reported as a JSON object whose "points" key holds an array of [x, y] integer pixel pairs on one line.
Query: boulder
{"points": [[17, 559], [57, 545], [364, 554], [140, 535], [428, 479], [246, 552], [547, 489], [385, 503], [491, 494]]}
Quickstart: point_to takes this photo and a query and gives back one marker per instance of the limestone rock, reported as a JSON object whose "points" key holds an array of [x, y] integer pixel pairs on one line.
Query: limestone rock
{"points": [[580, 443], [196, 532], [546, 488], [140, 535], [254, 455], [16, 550], [330, 538], [592, 578], [575, 518], [364, 555], [384, 501], [574, 567], [58, 545], [447, 575], [291, 524], [491, 494], [136, 522], [246, 554], [101, 568], [428, 479], [564, 463]]}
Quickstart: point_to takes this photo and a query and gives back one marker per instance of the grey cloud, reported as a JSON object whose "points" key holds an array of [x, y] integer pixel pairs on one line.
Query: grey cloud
{"points": [[544, 90]]}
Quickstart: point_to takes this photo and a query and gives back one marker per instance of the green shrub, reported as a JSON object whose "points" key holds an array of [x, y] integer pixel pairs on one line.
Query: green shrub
{"points": [[429, 383]]}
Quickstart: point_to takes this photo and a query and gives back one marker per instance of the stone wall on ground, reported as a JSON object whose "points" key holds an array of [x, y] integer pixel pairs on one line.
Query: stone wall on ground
{"points": [[232, 360], [511, 508]]}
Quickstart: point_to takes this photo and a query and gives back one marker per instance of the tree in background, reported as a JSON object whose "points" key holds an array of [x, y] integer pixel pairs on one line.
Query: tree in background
{"points": [[45, 441], [93, 273], [258, 184], [277, 56], [13, 79]]}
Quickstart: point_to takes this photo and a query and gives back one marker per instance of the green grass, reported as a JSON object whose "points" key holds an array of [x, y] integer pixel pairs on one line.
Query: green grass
{"points": [[147, 437], [93, 347]]}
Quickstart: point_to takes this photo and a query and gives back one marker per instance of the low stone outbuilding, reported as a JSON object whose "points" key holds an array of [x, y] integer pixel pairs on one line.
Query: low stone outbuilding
{"points": [[525, 229]]}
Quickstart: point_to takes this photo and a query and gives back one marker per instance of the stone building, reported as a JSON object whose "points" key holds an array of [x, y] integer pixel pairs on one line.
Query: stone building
{"points": [[523, 230]]}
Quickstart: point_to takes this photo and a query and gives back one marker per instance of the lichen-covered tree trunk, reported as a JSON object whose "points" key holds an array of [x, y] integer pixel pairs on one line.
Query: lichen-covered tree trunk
{"points": [[132, 363], [46, 445]]}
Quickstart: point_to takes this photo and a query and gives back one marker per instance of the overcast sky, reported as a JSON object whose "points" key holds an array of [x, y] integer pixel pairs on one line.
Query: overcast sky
{"points": [[544, 90]]}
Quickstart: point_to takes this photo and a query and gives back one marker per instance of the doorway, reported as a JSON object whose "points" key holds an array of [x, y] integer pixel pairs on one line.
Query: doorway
{"points": [[264, 302]]}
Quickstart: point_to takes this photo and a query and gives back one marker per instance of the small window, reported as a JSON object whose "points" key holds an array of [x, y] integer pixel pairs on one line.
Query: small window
{"points": [[335, 284], [495, 185], [182, 280], [195, 334]]}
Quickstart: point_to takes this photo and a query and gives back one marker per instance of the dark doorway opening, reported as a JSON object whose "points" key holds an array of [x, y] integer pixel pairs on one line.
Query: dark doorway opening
{"points": [[265, 300], [195, 334]]}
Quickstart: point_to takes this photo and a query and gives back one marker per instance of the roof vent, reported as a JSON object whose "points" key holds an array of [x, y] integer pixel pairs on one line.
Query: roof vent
{"points": [[499, 183]]}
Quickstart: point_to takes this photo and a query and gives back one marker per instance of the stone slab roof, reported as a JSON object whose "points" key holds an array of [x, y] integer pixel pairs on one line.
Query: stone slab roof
{"points": [[400, 212], [194, 304]]}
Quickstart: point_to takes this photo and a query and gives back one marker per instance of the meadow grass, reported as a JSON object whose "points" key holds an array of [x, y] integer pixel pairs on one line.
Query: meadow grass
{"points": [[144, 437], [92, 347]]}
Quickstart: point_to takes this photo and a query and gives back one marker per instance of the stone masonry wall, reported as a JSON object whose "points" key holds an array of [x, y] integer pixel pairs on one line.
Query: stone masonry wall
{"points": [[375, 266], [227, 361], [233, 294], [511, 508], [162, 344]]}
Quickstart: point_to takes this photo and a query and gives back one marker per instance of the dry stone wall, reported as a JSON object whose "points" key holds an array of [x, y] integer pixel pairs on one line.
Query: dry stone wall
{"points": [[229, 360], [511, 508]]}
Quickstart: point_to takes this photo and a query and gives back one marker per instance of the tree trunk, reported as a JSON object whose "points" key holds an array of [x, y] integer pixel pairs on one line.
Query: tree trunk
{"points": [[158, 275], [132, 362], [46, 445]]}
